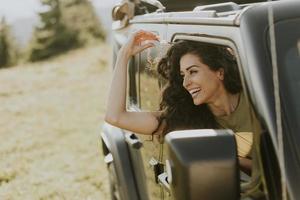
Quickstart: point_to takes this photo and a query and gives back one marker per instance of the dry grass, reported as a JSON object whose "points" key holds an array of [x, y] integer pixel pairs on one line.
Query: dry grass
{"points": [[50, 118]]}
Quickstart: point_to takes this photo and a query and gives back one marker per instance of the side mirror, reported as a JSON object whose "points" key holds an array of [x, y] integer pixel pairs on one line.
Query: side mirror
{"points": [[202, 164]]}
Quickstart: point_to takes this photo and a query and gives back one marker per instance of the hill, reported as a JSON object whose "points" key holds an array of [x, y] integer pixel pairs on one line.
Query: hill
{"points": [[51, 114]]}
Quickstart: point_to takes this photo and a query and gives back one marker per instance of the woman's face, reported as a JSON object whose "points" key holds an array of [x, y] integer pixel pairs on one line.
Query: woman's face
{"points": [[199, 80]]}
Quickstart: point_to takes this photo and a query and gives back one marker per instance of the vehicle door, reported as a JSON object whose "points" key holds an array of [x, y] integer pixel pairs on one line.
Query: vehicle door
{"points": [[148, 92]]}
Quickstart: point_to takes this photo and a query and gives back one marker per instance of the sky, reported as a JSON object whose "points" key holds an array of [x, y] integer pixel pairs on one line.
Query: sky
{"points": [[15, 9]]}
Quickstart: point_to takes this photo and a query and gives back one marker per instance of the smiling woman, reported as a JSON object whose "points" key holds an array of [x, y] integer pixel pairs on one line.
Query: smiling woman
{"points": [[202, 90], [203, 83]]}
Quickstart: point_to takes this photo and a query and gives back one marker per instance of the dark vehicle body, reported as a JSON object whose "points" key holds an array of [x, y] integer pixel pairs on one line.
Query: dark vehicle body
{"points": [[265, 38]]}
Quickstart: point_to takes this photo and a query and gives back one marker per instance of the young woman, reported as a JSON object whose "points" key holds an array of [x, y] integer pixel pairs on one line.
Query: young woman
{"points": [[203, 91]]}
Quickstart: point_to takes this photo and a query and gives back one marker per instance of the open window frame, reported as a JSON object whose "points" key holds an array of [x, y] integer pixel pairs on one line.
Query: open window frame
{"points": [[251, 187]]}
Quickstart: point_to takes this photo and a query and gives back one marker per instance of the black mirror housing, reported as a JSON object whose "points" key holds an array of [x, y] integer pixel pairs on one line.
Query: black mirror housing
{"points": [[203, 165]]}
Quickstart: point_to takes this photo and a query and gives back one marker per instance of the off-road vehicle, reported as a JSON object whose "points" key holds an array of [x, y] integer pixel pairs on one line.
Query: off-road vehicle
{"points": [[191, 164]]}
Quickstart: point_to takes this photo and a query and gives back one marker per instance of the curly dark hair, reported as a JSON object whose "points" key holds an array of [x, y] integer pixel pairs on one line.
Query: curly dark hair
{"points": [[178, 109]]}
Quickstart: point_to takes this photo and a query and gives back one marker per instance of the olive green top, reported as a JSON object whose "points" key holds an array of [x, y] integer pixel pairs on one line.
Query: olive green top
{"points": [[243, 123]]}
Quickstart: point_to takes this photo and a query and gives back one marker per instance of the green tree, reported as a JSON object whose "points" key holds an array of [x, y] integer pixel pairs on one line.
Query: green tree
{"points": [[80, 16], [52, 36], [8, 50]]}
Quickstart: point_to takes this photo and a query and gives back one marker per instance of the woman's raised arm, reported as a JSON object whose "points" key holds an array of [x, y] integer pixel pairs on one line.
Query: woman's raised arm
{"points": [[116, 113]]}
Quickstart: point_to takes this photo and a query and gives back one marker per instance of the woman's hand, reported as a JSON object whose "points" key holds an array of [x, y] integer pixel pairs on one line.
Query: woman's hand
{"points": [[138, 42], [245, 165], [116, 114]]}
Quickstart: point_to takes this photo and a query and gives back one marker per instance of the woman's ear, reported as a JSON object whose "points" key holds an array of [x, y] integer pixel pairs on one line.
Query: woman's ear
{"points": [[220, 74]]}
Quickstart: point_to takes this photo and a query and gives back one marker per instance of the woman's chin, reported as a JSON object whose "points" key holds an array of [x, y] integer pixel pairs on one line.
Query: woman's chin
{"points": [[197, 102]]}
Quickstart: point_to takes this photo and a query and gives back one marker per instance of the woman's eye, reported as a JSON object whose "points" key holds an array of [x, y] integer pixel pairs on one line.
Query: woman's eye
{"points": [[193, 71]]}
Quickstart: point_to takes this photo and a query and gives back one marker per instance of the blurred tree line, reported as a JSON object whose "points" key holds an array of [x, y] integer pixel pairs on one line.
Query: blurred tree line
{"points": [[64, 25], [8, 50]]}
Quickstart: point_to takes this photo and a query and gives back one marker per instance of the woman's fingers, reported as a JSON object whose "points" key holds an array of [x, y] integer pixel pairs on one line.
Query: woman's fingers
{"points": [[143, 47], [139, 41], [142, 36]]}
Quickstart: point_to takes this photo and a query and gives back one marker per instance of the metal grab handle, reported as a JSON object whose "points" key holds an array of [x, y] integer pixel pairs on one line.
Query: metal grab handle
{"points": [[157, 167], [108, 158], [163, 180], [133, 141]]}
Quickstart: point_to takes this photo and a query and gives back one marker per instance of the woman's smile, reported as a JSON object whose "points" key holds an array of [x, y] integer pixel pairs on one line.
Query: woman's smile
{"points": [[195, 92]]}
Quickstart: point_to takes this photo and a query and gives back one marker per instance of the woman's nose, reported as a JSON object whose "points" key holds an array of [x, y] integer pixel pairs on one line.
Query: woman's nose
{"points": [[186, 82]]}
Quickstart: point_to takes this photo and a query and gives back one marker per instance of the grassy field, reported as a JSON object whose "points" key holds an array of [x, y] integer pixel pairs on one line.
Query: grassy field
{"points": [[50, 118]]}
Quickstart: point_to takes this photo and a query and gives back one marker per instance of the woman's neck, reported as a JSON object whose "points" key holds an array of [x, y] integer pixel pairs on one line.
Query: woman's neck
{"points": [[224, 104]]}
